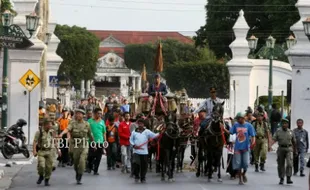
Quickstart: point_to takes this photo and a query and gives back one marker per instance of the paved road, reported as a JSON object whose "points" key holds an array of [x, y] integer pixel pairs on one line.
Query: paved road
{"points": [[63, 178]]}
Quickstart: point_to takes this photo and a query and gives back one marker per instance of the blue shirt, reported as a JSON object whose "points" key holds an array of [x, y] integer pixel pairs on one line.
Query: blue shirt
{"points": [[125, 108], [138, 138], [243, 134], [205, 123]]}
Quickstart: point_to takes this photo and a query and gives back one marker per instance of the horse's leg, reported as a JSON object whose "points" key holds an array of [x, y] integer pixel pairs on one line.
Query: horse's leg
{"points": [[219, 162], [163, 164], [178, 159], [172, 165], [205, 166], [209, 165], [199, 157]]}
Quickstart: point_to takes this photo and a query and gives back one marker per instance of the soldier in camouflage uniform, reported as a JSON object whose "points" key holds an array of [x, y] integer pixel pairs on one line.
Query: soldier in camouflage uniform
{"points": [[262, 141], [287, 145], [43, 148], [55, 128], [80, 134]]}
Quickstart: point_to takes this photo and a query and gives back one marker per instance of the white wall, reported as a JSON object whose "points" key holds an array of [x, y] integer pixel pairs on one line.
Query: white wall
{"points": [[282, 72], [20, 62]]}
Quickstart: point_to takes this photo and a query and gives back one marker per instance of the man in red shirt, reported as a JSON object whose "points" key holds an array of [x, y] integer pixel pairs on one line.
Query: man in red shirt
{"points": [[201, 117], [124, 136]]}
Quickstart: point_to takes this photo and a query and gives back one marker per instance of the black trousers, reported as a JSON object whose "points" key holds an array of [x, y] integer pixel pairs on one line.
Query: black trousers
{"points": [[64, 158], [94, 157], [230, 169], [140, 166]]}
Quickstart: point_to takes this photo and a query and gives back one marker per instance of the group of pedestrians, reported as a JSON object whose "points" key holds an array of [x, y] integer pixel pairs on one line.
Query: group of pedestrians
{"points": [[252, 135], [81, 138]]}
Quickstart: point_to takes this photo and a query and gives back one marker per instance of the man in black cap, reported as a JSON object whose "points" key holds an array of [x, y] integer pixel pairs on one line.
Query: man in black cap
{"points": [[208, 103], [158, 89], [287, 146]]}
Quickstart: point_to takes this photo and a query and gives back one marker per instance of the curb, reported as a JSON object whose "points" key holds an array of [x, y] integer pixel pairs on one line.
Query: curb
{"points": [[30, 161], [1, 174]]}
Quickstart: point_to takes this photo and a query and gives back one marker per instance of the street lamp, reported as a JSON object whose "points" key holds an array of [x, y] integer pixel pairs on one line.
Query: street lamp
{"points": [[7, 18], [270, 42], [306, 24], [13, 37], [32, 22], [252, 42], [290, 41]]}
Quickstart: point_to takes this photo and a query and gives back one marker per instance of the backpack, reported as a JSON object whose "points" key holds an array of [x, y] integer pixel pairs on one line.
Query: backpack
{"points": [[265, 126]]}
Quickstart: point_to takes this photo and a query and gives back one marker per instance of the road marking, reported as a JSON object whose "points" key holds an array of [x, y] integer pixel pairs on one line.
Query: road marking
{"points": [[10, 163], [202, 187]]}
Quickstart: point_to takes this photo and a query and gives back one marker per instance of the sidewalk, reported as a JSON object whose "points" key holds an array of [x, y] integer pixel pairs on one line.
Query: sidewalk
{"points": [[9, 168]]}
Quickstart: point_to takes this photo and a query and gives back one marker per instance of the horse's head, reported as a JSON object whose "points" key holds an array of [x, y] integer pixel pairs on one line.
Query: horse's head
{"points": [[217, 112], [172, 129], [171, 117]]}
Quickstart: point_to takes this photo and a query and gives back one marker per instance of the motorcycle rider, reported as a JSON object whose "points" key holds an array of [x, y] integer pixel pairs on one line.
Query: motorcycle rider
{"points": [[16, 130]]}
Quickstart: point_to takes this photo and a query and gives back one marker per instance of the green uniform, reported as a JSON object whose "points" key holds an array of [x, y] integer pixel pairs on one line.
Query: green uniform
{"points": [[45, 159], [80, 133], [55, 129], [260, 149], [286, 140]]}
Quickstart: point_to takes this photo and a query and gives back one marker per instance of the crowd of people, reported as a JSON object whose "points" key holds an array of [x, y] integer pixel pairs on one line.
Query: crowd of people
{"points": [[252, 134], [111, 127]]}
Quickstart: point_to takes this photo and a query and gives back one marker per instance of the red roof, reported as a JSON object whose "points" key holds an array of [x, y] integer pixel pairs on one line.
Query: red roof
{"points": [[135, 37], [140, 37]]}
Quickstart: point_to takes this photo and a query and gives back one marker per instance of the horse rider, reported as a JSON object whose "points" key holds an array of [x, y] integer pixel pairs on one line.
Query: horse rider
{"points": [[158, 88], [208, 103]]}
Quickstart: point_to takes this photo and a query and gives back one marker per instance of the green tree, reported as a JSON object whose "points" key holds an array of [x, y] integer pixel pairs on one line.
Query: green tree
{"points": [[173, 51], [79, 51], [265, 17], [198, 77], [7, 5]]}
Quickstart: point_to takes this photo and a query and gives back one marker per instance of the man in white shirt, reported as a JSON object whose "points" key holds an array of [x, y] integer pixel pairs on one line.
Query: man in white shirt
{"points": [[208, 103], [139, 141]]}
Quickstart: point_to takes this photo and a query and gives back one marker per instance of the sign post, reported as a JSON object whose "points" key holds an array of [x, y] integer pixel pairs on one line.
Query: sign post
{"points": [[53, 80], [10, 40], [29, 80]]}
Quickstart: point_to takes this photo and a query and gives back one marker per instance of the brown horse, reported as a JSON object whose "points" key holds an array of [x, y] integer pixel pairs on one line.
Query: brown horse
{"points": [[215, 140], [186, 131], [168, 146]]}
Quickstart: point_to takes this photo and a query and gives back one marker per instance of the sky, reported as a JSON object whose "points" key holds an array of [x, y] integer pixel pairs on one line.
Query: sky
{"points": [[185, 16]]}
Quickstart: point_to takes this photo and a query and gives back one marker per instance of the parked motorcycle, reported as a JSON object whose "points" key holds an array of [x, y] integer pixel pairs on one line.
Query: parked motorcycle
{"points": [[14, 141]]}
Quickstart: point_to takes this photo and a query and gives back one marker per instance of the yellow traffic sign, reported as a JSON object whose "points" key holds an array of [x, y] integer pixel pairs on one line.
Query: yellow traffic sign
{"points": [[29, 80]]}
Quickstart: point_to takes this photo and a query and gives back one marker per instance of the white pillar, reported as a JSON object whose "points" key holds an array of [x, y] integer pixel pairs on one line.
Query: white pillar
{"points": [[240, 66], [299, 57], [83, 89], [67, 98], [139, 83], [87, 88], [124, 87], [20, 61], [53, 60], [93, 90], [134, 84]]}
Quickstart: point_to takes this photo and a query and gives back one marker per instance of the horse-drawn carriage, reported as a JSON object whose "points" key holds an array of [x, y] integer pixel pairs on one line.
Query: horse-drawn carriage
{"points": [[168, 116], [176, 130]]}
